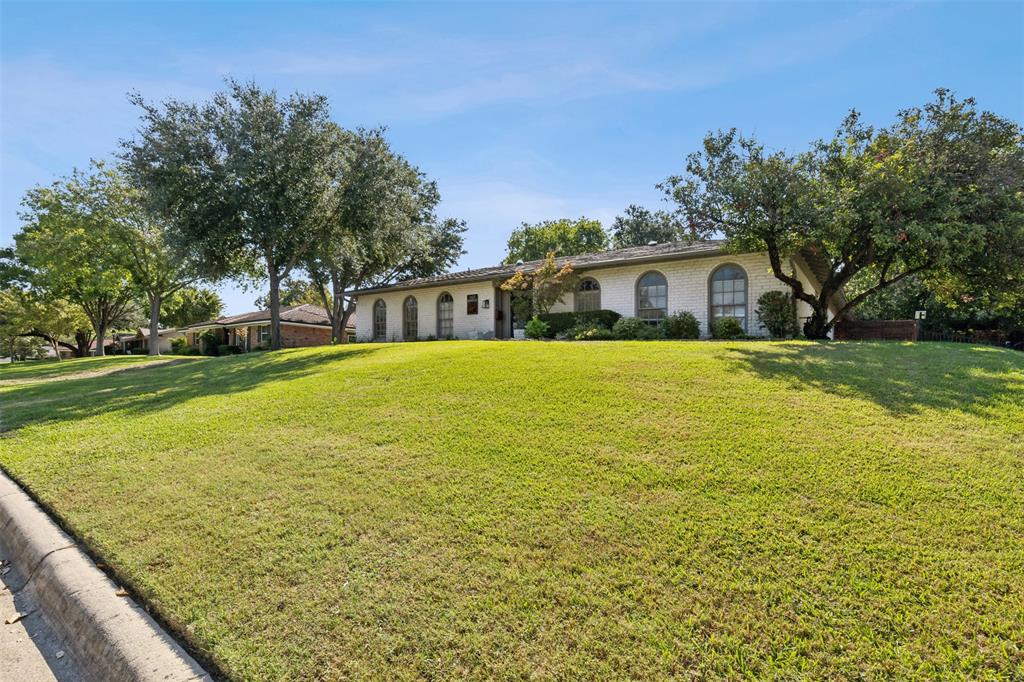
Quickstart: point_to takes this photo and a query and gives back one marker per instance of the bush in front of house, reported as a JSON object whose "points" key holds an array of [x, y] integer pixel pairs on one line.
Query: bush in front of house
{"points": [[633, 328], [227, 349], [536, 328], [681, 325], [588, 331], [179, 346], [777, 312], [560, 323], [209, 342], [727, 328]]}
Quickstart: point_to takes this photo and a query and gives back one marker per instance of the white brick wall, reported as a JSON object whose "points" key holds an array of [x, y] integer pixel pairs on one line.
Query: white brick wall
{"points": [[687, 285], [687, 291], [466, 326]]}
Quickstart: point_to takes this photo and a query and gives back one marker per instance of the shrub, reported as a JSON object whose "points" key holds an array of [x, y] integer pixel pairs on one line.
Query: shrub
{"points": [[536, 328], [777, 312], [681, 325], [651, 332], [727, 328], [209, 342], [589, 331], [179, 345], [635, 328], [560, 323], [225, 349]]}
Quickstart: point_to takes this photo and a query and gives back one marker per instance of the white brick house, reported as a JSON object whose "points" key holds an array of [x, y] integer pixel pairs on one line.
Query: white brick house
{"points": [[643, 281]]}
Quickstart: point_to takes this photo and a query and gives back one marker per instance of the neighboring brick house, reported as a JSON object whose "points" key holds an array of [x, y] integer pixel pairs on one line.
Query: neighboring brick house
{"points": [[301, 325], [649, 282]]}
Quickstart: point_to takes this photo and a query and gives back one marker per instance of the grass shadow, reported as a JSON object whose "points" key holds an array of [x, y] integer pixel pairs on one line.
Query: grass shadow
{"points": [[147, 390], [902, 378]]}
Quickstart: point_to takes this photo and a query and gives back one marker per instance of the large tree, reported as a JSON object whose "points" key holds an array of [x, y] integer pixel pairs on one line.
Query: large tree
{"points": [[70, 246], [244, 179], [189, 305], [565, 237], [638, 226], [936, 194], [30, 313], [384, 227]]}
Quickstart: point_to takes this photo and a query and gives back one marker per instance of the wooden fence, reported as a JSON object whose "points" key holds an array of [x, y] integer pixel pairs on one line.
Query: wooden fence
{"points": [[871, 330]]}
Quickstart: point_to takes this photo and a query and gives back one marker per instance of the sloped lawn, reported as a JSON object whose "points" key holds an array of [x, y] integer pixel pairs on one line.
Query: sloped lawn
{"points": [[555, 510], [39, 370]]}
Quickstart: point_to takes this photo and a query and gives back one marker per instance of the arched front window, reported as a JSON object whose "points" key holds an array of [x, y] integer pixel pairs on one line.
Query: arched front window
{"points": [[445, 316], [729, 293], [652, 297], [588, 295], [410, 326], [380, 320]]}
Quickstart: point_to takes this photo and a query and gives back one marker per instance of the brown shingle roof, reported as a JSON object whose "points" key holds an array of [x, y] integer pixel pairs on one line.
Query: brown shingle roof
{"points": [[307, 313], [633, 254]]}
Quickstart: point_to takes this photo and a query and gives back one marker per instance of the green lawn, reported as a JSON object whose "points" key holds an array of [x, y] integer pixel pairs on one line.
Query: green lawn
{"points": [[33, 370], [555, 510]]}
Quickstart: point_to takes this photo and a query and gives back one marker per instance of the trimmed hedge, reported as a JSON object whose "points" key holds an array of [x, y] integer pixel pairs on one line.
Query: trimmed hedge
{"points": [[559, 323]]}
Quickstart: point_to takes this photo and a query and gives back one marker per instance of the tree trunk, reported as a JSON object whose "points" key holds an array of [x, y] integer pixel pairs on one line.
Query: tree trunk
{"points": [[342, 322], [275, 306], [82, 342], [101, 335], [154, 325], [817, 326]]}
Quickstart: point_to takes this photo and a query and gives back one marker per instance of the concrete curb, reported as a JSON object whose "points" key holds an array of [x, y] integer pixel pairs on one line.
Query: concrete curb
{"points": [[110, 636]]}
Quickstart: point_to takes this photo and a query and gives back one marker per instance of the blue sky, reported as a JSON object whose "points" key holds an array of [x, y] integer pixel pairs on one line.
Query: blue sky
{"points": [[520, 111]]}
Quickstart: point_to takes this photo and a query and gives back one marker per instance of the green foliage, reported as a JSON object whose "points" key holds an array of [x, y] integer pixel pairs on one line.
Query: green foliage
{"points": [[190, 305], [71, 245], [228, 349], [179, 345], [590, 331], [22, 347], [295, 291], [559, 323], [536, 328], [777, 312], [245, 179], [935, 193], [727, 328], [640, 226], [209, 341], [627, 327], [681, 325], [564, 237]]}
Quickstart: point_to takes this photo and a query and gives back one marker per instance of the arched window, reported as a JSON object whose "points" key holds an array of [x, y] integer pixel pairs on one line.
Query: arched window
{"points": [[652, 297], [588, 295], [410, 326], [380, 320], [729, 293], [445, 316]]}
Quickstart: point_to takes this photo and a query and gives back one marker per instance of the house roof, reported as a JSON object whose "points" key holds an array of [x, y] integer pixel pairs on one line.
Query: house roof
{"points": [[633, 254], [306, 313]]}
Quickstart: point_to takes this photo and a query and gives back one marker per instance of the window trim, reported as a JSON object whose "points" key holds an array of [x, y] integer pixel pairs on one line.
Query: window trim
{"points": [[439, 297], [415, 319], [576, 294], [379, 304], [746, 293], [636, 296]]}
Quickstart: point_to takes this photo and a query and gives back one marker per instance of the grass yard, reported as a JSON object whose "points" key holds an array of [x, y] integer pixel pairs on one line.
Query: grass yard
{"points": [[38, 370], [555, 510]]}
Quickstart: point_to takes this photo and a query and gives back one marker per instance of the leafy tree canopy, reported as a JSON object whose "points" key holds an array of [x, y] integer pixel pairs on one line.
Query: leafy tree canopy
{"points": [[190, 305], [384, 227], [564, 237], [245, 179], [937, 193], [638, 226], [71, 249]]}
